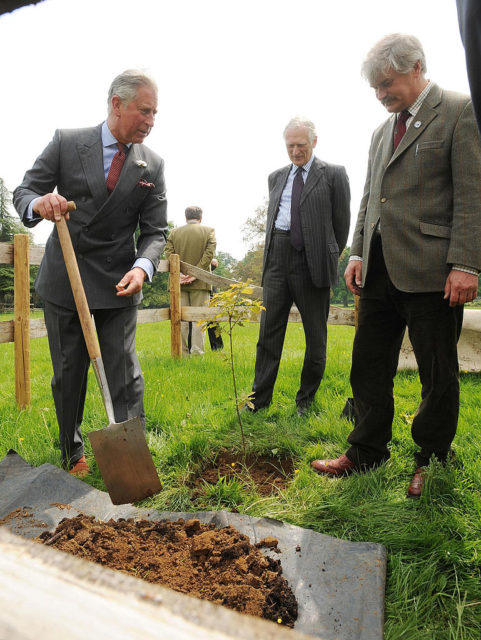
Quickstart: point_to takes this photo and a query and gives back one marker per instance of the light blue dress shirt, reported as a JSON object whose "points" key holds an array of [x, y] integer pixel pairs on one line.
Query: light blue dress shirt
{"points": [[283, 220]]}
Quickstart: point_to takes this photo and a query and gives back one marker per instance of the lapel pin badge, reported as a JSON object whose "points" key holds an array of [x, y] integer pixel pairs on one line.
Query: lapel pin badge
{"points": [[417, 124], [141, 163]]}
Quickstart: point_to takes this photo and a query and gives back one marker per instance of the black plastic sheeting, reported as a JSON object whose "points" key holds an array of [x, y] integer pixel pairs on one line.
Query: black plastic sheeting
{"points": [[339, 585]]}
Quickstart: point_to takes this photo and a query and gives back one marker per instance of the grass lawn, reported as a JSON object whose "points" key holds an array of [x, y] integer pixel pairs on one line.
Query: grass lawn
{"points": [[434, 544]]}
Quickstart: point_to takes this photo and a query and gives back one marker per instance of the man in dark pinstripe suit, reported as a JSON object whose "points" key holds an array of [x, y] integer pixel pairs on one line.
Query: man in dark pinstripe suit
{"points": [[301, 274]]}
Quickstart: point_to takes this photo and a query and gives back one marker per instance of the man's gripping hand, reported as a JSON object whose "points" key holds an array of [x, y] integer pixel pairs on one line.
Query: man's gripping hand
{"points": [[51, 206]]}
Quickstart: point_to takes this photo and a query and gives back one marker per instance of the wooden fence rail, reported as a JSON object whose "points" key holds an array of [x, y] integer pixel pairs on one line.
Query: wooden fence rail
{"points": [[22, 328]]}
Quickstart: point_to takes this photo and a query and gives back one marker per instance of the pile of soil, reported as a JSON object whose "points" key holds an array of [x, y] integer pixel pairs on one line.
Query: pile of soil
{"points": [[267, 474], [219, 565]]}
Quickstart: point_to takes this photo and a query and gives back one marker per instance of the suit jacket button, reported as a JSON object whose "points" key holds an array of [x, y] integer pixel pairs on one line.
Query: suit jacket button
{"points": [[109, 259], [373, 225], [383, 200], [86, 229]]}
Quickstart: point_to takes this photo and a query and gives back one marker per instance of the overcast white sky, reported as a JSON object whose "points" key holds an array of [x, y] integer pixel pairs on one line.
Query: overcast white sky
{"points": [[230, 75]]}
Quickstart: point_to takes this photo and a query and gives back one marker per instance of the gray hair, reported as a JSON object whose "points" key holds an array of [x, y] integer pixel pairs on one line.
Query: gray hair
{"points": [[127, 84], [397, 51], [299, 121], [193, 213]]}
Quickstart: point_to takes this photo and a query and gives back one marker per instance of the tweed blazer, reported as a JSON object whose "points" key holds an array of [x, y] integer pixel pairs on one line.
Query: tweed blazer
{"points": [[325, 217], [426, 195], [194, 243], [103, 226]]}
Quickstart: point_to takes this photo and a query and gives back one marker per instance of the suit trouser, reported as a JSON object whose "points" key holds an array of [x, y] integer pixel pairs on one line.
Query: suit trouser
{"points": [[287, 280], [116, 333], [434, 329], [193, 298]]}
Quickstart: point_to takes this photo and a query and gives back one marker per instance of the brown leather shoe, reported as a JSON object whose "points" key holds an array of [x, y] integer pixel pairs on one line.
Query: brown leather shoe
{"points": [[80, 468], [416, 487], [339, 467]]}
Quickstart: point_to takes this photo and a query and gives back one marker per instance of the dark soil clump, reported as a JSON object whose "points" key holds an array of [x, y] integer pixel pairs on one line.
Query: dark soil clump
{"points": [[219, 565]]}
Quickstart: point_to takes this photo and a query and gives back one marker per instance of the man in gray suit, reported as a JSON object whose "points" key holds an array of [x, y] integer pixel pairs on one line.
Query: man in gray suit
{"points": [[307, 227], [118, 186], [415, 257]]}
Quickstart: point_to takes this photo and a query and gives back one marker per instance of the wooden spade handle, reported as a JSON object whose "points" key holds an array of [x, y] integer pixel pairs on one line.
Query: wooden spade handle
{"points": [[78, 291]]}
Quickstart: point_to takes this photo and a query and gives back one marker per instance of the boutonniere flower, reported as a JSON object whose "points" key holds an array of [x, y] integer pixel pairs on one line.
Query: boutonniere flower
{"points": [[144, 183], [141, 163]]}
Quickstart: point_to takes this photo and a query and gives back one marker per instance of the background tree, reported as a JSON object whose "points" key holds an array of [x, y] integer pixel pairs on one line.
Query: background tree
{"points": [[254, 228], [254, 231], [156, 293], [250, 267], [340, 293], [227, 264], [9, 226]]}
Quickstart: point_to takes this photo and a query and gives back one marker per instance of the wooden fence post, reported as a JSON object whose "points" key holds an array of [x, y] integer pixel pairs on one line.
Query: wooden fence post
{"points": [[175, 306], [21, 321]]}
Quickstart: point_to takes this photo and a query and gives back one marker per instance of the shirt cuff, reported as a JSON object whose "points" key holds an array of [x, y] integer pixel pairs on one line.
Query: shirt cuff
{"points": [[30, 212], [357, 258], [461, 267], [146, 265]]}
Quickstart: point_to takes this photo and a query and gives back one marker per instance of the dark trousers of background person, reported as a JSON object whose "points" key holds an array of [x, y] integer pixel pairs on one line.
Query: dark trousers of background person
{"points": [[434, 329], [287, 280], [116, 333], [216, 342]]}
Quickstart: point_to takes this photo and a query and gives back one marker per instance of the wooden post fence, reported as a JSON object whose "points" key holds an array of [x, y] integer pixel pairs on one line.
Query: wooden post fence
{"points": [[175, 307], [21, 322], [21, 329]]}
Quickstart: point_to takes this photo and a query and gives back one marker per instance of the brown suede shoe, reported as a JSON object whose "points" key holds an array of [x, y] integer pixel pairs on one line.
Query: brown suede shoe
{"points": [[416, 487], [80, 468], [339, 467]]}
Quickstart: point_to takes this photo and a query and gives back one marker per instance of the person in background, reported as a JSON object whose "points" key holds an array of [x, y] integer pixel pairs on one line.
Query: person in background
{"points": [[195, 244], [118, 186], [307, 226], [415, 257]]}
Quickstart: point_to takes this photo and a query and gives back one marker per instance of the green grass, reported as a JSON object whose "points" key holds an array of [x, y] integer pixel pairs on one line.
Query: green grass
{"points": [[434, 544]]}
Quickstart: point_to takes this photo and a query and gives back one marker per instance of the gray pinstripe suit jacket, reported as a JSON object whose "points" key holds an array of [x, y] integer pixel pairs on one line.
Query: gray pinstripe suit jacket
{"points": [[103, 226], [427, 195], [325, 217]]}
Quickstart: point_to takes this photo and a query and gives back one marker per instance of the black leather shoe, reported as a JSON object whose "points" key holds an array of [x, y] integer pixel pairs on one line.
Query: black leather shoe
{"points": [[303, 408], [247, 409]]}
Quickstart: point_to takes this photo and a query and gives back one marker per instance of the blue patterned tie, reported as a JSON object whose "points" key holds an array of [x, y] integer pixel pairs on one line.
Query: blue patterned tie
{"points": [[297, 240]]}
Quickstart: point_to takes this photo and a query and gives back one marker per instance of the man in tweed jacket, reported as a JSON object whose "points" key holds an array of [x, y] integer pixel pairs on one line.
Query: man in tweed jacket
{"points": [[415, 257], [195, 244], [305, 274]]}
